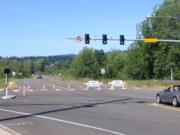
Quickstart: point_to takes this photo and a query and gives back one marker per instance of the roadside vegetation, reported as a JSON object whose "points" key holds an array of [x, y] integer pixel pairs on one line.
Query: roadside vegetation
{"points": [[1, 84], [11, 83], [142, 62]]}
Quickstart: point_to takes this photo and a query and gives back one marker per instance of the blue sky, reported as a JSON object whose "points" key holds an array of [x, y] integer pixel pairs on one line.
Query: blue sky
{"points": [[40, 27]]}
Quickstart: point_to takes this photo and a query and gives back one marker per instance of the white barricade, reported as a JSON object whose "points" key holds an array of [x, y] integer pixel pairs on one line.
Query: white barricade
{"points": [[117, 83], [93, 84]]}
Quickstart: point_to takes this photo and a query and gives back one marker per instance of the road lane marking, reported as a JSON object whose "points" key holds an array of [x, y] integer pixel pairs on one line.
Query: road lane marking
{"points": [[165, 107], [20, 124], [64, 121], [7, 131]]}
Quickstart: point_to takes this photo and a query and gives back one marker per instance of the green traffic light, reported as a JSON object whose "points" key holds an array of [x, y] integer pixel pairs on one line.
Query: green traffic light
{"points": [[104, 39], [87, 39]]}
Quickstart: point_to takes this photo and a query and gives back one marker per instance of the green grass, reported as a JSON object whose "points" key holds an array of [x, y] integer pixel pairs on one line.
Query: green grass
{"points": [[12, 83], [1, 83], [148, 84]]}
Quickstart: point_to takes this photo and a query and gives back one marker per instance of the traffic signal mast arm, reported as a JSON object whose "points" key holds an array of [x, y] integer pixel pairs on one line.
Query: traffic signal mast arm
{"points": [[166, 40], [154, 40], [122, 39], [158, 40]]}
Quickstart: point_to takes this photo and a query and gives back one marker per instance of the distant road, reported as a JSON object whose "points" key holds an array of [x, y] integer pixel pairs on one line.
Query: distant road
{"points": [[52, 107]]}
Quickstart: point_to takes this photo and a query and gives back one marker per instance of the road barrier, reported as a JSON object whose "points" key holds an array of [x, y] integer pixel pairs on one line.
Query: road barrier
{"points": [[117, 83], [93, 84], [24, 91], [43, 88], [62, 85]]}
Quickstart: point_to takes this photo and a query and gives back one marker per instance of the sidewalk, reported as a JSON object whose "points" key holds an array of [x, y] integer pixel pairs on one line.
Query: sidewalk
{"points": [[7, 131]]}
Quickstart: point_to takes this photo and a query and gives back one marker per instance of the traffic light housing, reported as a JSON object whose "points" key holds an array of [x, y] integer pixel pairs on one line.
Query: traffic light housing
{"points": [[7, 71], [87, 39], [104, 39], [122, 39]]}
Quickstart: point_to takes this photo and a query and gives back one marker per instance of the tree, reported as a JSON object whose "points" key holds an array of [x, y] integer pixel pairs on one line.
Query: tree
{"points": [[88, 63], [116, 64], [39, 65], [137, 66], [156, 60], [101, 60]]}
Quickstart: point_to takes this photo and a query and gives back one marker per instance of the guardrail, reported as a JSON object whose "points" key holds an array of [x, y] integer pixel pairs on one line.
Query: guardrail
{"points": [[117, 83]]}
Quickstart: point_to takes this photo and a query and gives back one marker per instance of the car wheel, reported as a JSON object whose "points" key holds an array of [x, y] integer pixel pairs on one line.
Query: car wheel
{"points": [[175, 102], [158, 99]]}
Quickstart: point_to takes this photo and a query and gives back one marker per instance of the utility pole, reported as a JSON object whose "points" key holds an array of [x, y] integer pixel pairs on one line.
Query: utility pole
{"points": [[172, 76], [7, 71]]}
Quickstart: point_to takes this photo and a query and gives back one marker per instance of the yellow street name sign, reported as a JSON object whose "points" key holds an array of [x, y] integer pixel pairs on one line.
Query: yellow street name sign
{"points": [[150, 40]]}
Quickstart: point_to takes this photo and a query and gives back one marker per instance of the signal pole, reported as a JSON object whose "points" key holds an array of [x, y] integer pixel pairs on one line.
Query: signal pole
{"points": [[7, 71], [172, 76], [122, 39]]}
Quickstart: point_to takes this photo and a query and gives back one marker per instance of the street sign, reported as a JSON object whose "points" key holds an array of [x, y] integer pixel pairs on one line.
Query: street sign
{"points": [[150, 40], [103, 71], [14, 73], [78, 39]]}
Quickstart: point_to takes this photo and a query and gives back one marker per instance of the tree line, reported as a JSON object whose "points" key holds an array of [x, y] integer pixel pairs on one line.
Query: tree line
{"points": [[26, 66]]}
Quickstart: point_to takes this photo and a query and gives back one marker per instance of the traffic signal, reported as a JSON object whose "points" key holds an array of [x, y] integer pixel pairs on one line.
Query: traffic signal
{"points": [[87, 39], [122, 39], [104, 39], [7, 71]]}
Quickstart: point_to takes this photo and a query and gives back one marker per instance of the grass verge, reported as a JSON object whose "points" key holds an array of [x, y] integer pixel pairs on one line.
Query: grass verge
{"points": [[11, 84], [1, 84], [149, 83]]}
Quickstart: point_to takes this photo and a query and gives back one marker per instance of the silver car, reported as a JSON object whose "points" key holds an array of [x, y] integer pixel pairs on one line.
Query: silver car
{"points": [[169, 95]]}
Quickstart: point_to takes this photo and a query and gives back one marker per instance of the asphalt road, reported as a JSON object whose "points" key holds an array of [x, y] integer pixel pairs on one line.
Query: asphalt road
{"points": [[51, 107]]}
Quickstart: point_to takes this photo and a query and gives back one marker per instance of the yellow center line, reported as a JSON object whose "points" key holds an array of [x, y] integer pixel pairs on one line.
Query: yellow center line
{"points": [[165, 107]]}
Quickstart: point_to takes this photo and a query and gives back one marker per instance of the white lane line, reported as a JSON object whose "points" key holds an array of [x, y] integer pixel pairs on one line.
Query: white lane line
{"points": [[80, 124], [20, 124], [65, 121], [7, 131]]}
